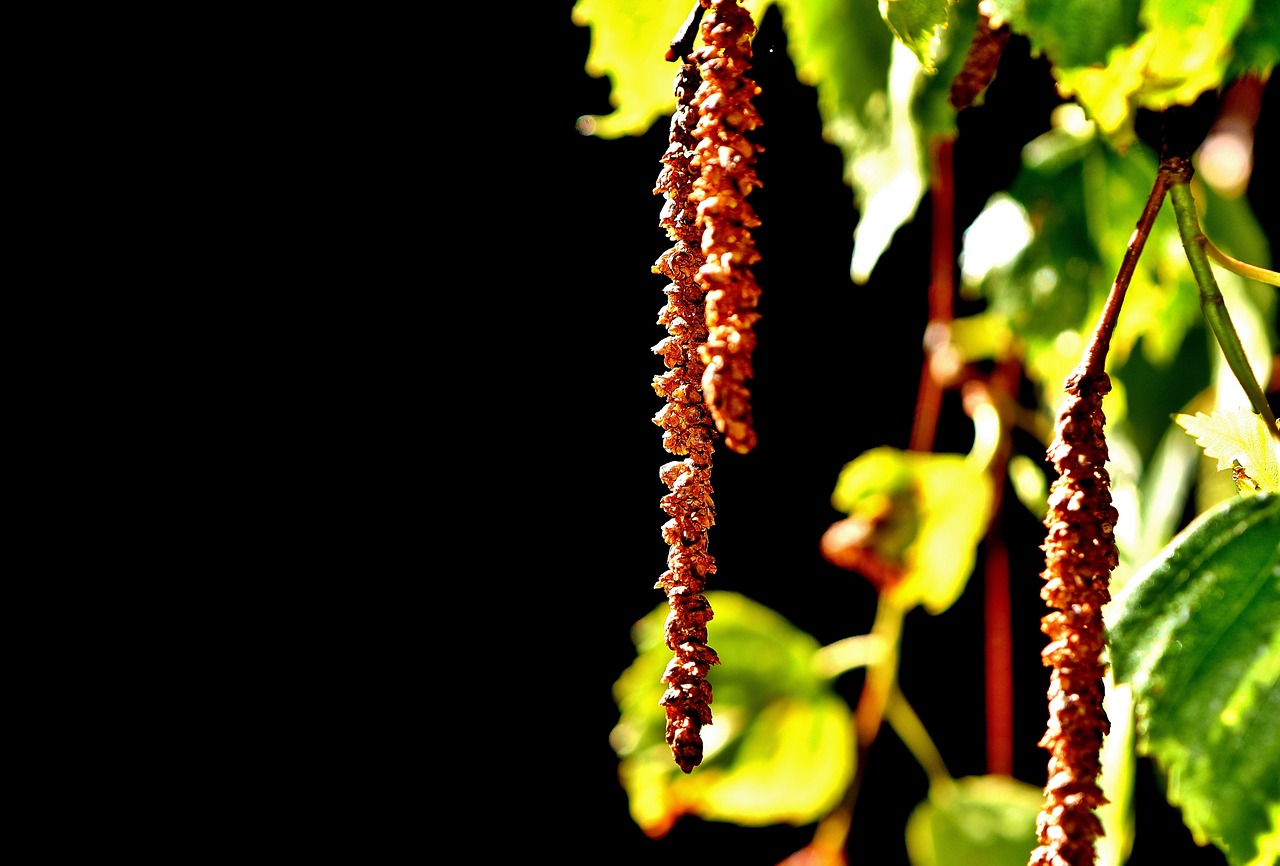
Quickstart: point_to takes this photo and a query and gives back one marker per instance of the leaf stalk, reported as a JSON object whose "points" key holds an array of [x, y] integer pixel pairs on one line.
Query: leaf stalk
{"points": [[1196, 246]]}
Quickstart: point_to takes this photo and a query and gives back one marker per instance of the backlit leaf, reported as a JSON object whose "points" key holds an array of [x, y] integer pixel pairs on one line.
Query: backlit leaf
{"points": [[1073, 33], [628, 41], [865, 81], [779, 748], [1117, 57], [1196, 634], [931, 510], [980, 821], [1118, 766], [888, 180], [919, 25], [1190, 47], [1237, 436]]}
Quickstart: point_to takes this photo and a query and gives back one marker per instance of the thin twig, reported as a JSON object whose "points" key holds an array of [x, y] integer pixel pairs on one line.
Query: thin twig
{"points": [[1096, 354], [924, 426], [682, 43]]}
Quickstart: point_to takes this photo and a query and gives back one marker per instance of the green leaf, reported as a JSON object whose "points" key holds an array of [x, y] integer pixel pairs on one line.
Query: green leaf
{"points": [[1188, 48], [978, 821], [1074, 33], [1195, 635], [890, 181], [1081, 199], [1257, 47], [932, 111], [1237, 437], [842, 50], [1118, 57], [865, 81], [930, 512], [779, 749], [918, 24], [878, 103], [889, 178]]}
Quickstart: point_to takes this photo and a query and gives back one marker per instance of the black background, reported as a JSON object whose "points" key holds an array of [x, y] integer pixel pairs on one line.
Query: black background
{"points": [[837, 367]]}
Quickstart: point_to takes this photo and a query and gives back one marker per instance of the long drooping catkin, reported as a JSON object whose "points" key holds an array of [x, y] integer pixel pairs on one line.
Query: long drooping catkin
{"points": [[726, 164], [980, 61], [1080, 554], [707, 172], [710, 311], [689, 432]]}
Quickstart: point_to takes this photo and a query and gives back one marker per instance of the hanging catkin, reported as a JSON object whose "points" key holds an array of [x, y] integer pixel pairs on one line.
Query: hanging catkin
{"points": [[1080, 554], [689, 432], [726, 165], [707, 173], [980, 61]]}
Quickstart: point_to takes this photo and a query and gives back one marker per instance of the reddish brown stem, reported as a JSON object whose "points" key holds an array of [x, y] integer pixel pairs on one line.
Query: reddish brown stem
{"points": [[999, 658], [1095, 356], [998, 641], [941, 288]]}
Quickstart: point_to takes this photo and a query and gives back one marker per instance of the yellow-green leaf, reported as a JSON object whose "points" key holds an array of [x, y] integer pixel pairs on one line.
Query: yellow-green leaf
{"points": [[779, 749], [1190, 47], [629, 39], [1237, 437], [935, 508], [1118, 57], [1119, 763]]}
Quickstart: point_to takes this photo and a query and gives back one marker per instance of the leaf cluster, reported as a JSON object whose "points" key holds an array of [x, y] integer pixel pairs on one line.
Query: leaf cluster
{"points": [[1194, 644]]}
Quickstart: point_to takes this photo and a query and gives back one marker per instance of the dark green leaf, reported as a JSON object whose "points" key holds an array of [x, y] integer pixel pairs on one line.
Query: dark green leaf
{"points": [[1257, 46], [1195, 635]]}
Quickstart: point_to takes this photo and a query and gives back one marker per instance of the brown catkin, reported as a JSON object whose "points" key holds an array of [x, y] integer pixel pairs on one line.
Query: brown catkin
{"points": [[726, 164], [1080, 555], [689, 432], [980, 62]]}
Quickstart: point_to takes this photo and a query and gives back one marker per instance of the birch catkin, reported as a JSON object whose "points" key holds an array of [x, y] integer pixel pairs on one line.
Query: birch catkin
{"points": [[1080, 554], [710, 311], [726, 164], [688, 431]]}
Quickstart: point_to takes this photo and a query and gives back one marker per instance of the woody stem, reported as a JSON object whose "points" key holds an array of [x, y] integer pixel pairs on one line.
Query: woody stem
{"points": [[1096, 353]]}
